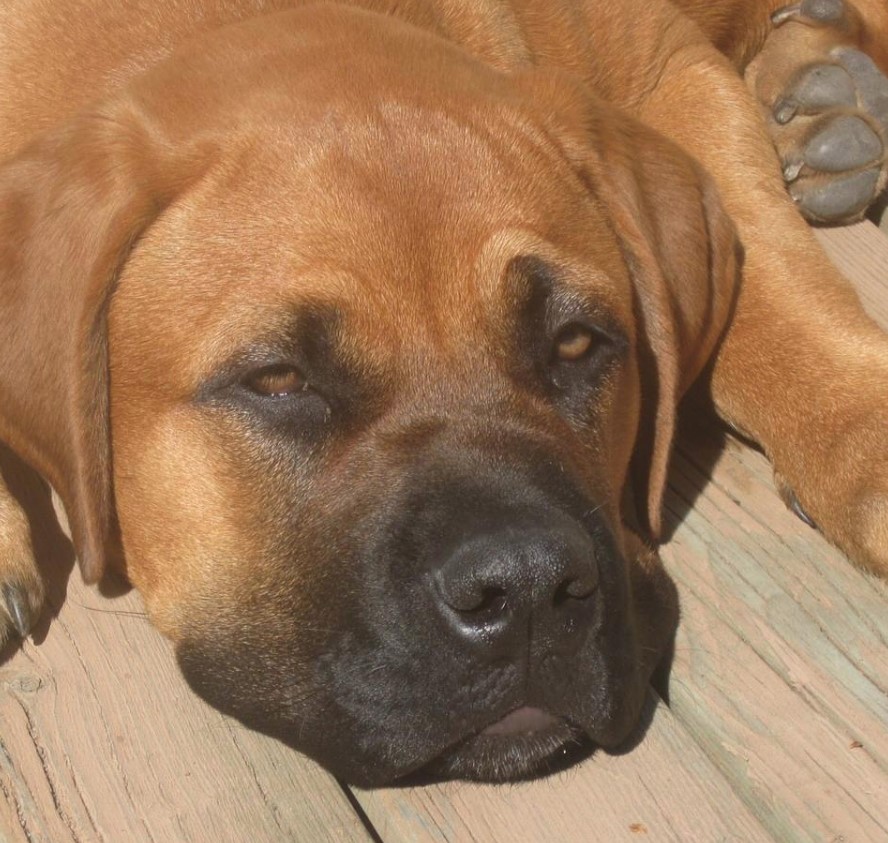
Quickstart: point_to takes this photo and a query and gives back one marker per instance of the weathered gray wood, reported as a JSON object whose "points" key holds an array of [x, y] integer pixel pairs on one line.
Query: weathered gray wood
{"points": [[781, 663], [781, 669], [664, 790], [103, 741]]}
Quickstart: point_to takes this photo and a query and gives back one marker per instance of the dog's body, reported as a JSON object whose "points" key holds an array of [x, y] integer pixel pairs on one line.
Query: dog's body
{"points": [[399, 297]]}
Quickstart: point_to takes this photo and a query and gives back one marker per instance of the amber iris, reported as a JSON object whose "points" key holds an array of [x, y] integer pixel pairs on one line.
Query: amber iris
{"points": [[277, 381], [573, 342]]}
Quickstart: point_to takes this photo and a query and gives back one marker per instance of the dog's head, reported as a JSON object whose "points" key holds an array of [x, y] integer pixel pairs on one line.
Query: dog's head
{"points": [[351, 342]]}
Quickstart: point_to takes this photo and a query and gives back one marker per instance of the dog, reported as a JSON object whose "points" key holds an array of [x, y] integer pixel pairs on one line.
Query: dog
{"points": [[353, 335]]}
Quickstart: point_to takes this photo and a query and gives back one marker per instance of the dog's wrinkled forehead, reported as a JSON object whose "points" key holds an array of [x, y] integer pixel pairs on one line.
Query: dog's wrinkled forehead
{"points": [[409, 221]]}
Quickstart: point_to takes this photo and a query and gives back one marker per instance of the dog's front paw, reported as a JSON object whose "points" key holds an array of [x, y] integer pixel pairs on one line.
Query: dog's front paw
{"points": [[860, 530], [830, 128], [845, 497], [21, 586], [826, 107]]}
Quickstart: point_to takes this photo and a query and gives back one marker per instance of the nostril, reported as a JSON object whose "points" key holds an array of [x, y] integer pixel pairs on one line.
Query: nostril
{"points": [[492, 601], [467, 596], [576, 588]]}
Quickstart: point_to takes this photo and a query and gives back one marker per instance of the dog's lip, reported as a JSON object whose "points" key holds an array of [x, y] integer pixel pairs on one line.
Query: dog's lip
{"points": [[521, 720], [525, 742]]}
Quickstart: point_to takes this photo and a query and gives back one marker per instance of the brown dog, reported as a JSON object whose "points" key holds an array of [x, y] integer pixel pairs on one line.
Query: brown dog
{"points": [[342, 329]]}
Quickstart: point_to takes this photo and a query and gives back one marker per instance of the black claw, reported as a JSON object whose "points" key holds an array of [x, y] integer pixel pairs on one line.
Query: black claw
{"points": [[818, 11], [18, 609], [784, 110], [796, 508]]}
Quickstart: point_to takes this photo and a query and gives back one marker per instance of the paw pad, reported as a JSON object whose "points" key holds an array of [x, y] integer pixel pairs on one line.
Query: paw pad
{"points": [[818, 88], [827, 109], [830, 127]]}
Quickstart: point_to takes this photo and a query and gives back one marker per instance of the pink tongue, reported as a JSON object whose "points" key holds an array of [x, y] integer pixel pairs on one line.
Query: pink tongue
{"points": [[524, 719]]}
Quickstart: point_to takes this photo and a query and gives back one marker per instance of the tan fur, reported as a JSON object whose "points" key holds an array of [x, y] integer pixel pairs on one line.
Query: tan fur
{"points": [[630, 99]]}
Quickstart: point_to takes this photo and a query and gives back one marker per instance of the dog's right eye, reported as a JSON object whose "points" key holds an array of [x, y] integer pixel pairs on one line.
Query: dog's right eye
{"points": [[281, 395], [276, 395], [277, 381]]}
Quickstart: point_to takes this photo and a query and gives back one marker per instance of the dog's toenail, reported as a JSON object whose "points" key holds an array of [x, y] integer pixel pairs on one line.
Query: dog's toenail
{"points": [[791, 170], [785, 110], [785, 13], [796, 508], [17, 606]]}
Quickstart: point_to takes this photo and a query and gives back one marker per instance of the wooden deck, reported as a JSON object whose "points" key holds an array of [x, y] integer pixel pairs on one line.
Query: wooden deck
{"points": [[776, 728]]}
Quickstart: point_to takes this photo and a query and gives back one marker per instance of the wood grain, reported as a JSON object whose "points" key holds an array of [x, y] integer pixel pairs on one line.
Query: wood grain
{"points": [[665, 789], [102, 741], [781, 659], [781, 669]]}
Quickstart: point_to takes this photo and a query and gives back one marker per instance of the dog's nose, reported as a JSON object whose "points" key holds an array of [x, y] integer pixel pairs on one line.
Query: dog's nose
{"points": [[504, 587]]}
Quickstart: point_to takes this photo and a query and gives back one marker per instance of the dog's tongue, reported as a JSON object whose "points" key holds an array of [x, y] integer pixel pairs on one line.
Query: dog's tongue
{"points": [[525, 719]]}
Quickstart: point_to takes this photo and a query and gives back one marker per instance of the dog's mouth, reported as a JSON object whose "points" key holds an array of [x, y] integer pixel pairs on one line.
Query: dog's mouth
{"points": [[526, 743], [526, 720]]}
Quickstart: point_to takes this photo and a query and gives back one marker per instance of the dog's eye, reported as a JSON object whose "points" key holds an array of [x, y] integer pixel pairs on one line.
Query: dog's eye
{"points": [[579, 356], [573, 342], [278, 381]]}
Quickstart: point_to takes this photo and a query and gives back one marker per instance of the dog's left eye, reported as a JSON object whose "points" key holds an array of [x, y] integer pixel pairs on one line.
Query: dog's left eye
{"points": [[574, 342], [278, 381], [578, 357]]}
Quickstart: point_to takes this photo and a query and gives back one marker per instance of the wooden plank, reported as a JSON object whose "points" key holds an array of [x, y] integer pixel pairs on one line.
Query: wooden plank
{"points": [[103, 741], [861, 252], [664, 790], [781, 667]]}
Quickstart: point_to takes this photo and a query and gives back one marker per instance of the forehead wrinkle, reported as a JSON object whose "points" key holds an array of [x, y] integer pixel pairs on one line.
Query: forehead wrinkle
{"points": [[395, 233], [417, 216]]}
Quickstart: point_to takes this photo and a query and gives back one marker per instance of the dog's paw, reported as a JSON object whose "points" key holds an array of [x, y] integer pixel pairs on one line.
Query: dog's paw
{"points": [[21, 586], [844, 493], [861, 532], [826, 108]]}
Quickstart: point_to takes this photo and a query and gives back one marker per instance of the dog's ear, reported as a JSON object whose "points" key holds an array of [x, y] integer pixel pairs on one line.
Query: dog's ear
{"points": [[683, 255], [72, 205]]}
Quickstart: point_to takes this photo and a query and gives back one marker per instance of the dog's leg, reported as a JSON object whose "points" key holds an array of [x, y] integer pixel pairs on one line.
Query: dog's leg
{"points": [[21, 586], [802, 369]]}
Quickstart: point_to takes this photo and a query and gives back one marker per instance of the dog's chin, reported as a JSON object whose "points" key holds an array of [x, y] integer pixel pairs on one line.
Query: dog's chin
{"points": [[525, 744]]}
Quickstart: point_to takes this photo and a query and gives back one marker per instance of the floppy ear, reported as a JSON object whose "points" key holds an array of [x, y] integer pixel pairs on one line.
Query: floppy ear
{"points": [[683, 255], [71, 207]]}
